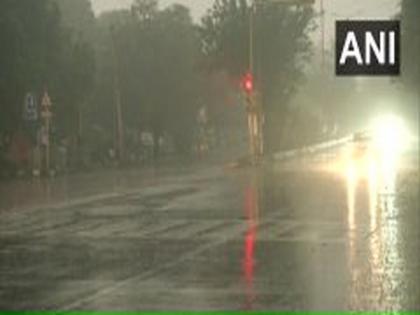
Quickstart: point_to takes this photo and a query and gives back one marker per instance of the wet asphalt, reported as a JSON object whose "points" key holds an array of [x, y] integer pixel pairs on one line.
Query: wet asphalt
{"points": [[281, 237]]}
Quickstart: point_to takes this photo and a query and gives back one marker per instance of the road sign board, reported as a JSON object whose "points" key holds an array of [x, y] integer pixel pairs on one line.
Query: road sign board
{"points": [[30, 111], [46, 101]]}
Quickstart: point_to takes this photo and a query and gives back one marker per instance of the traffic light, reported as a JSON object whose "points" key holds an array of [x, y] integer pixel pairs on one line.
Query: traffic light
{"points": [[248, 83]]}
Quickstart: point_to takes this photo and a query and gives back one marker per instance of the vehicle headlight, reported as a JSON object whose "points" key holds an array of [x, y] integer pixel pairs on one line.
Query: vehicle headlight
{"points": [[390, 135]]}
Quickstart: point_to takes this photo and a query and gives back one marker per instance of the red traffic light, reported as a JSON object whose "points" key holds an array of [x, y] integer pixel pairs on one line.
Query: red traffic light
{"points": [[248, 83]]}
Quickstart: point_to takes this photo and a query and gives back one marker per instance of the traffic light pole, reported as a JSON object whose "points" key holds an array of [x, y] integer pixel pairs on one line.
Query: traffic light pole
{"points": [[47, 115], [254, 110], [47, 146], [254, 105], [120, 148], [322, 10], [251, 36]]}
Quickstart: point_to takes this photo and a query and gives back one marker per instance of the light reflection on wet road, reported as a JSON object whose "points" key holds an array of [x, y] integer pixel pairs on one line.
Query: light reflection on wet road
{"points": [[282, 238]]}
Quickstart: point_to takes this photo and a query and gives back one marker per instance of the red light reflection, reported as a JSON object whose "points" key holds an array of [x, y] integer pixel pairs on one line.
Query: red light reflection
{"points": [[251, 213]]}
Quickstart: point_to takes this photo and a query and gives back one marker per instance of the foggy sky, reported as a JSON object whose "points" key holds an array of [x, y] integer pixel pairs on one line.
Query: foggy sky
{"points": [[334, 9], [198, 7], [345, 8]]}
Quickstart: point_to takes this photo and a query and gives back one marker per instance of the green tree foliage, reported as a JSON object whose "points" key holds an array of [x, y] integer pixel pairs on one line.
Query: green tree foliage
{"points": [[410, 49], [152, 56], [48, 47], [410, 17], [153, 53], [77, 16], [282, 45], [225, 36], [30, 34], [77, 71]]}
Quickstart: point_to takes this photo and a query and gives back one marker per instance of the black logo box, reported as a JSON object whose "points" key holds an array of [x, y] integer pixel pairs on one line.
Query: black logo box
{"points": [[360, 27]]}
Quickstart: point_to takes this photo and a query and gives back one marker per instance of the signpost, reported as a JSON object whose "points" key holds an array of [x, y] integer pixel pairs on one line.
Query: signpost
{"points": [[30, 110], [45, 131], [31, 118]]}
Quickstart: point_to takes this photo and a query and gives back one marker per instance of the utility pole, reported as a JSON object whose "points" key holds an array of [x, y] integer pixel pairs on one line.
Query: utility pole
{"points": [[254, 109], [323, 73], [254, 106], [251, 36], [119, 132], [79, 126], [322, 34], [46, 114]]}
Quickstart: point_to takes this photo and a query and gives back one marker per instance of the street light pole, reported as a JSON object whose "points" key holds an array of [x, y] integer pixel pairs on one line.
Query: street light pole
{"points": [[118, 107], [46, 115], [251, 36], [322, 34], [254, 107]]}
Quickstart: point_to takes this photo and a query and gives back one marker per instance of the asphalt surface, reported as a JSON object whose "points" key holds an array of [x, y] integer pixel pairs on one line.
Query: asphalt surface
{"points": [[283, 237]]}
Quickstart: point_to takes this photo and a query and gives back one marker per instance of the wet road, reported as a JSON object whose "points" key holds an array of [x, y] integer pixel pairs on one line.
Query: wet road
{"points": [[286, 237]]}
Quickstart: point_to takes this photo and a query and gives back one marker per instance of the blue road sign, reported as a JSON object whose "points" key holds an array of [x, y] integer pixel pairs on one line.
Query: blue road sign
{"points": [[30, 110]]}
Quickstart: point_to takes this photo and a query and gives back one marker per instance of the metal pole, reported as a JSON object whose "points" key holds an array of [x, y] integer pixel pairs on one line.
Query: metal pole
{"points": [[79, 125], [322, 34], [118, 106], [250, 108], [251, 37], [47, 146], [119, 124], [254, 112]]}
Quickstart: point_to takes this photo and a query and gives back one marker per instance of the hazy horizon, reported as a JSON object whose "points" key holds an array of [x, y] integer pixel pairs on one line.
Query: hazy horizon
{"points": [[334, 9], [198, 7]]}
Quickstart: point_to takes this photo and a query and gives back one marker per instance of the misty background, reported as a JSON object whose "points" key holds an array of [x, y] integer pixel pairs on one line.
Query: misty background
{"points": [[133, 82]]}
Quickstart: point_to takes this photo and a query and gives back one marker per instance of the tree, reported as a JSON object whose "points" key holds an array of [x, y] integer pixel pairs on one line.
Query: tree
{"points": [[48, 48], [410, 16], [145, 9], [154, 53], [77, 64], [282, 46], [177, 51], [410, 76], [28, 61], [77, 17]]}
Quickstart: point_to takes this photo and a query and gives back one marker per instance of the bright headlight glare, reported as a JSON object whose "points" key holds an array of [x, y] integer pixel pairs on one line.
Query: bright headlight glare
{"points": [[390, 134]]}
